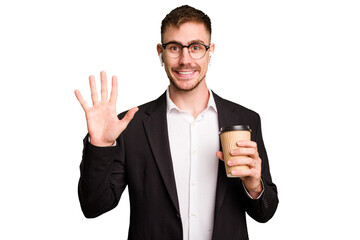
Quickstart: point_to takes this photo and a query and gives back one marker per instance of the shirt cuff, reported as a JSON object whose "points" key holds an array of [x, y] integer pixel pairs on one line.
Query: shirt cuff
{"points": [[114, 144], [263, 188]]}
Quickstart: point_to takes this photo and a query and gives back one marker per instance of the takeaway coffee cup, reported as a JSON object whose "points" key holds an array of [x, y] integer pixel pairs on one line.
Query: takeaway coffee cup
{"points": [[229, 136]]}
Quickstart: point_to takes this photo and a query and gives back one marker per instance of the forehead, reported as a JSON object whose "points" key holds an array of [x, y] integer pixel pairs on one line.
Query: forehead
{"points": [[186, 33]]}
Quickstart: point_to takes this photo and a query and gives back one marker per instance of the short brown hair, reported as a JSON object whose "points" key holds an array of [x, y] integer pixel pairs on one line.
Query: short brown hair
{"points": [[185, 14]]}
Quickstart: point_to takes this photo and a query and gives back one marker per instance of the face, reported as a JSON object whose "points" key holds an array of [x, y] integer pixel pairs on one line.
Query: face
{"points": [[185, 73]]}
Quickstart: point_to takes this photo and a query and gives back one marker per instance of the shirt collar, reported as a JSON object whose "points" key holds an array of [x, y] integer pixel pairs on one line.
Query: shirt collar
{"points": [[170, 105]]}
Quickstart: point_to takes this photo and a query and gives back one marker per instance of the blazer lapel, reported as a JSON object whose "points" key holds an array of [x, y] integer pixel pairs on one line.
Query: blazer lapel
{"points": [[226, 117], [157, 133]]}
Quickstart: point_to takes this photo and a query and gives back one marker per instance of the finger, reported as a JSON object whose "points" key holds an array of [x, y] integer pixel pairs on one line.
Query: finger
{"points": [[241, 161], [243, 151], [127, 118], [243, 173], [114, 90], [94, 95], [220, 155], [81, 100], [104, 90], [245, 143]]}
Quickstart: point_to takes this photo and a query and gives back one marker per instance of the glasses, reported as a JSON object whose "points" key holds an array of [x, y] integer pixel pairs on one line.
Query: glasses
{"points": [[196, 50]]}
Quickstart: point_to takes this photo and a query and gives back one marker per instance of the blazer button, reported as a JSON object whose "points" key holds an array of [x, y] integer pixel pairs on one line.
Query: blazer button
{"points": [[178, 215]]}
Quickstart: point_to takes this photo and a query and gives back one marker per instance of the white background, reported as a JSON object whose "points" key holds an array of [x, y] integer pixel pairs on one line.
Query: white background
{"points": [[294, 62]]}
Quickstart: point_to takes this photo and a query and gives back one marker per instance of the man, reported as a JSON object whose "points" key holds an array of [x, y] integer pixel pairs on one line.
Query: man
{"points": [[167, 151]]}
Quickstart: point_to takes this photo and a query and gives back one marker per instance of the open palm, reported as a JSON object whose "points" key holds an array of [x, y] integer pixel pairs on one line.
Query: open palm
{"points": [[102, 122]]}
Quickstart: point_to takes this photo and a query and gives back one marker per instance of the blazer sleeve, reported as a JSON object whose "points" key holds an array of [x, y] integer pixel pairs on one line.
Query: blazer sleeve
{"points": [[102, 178], [264, 208]]}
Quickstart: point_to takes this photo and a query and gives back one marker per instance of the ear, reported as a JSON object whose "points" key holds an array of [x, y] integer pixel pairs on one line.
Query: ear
{"points": [[211, 51], [159, 50]]}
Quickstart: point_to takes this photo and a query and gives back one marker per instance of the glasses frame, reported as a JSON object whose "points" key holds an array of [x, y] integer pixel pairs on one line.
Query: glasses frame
{"points": [[207, 47]]}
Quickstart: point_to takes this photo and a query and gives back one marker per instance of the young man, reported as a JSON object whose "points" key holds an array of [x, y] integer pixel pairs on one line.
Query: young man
{"points": [[167, 151]]}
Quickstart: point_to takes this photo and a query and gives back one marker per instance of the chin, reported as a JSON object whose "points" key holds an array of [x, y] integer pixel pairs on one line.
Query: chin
{"points": [[187, 86]]}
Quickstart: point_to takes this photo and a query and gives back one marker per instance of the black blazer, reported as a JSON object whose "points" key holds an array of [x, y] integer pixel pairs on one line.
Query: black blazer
{"points": [[142, 161]]}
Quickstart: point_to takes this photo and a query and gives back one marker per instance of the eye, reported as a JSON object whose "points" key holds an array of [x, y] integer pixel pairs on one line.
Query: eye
{"points": [[174, 47], [196, 47]]}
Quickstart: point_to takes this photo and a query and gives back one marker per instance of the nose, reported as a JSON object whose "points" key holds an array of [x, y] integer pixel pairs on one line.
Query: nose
{"points": [[185, 57]]}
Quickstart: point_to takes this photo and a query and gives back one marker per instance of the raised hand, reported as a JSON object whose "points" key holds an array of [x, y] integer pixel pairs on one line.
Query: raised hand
{"points": [[102, 122]]}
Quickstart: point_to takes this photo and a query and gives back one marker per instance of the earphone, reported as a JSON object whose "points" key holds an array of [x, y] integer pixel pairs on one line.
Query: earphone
{"points": [[161, 60]]}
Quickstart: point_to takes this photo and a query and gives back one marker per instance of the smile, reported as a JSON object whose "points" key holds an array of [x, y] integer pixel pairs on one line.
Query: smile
{"points": [[187, 73]]}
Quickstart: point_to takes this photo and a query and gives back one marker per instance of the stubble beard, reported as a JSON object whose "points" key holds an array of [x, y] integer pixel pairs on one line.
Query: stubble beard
{"points": [[179, 88]]}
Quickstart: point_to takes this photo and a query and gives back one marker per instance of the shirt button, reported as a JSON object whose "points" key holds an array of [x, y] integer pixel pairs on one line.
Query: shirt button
{"points": [[192, 184], [193, 152]]}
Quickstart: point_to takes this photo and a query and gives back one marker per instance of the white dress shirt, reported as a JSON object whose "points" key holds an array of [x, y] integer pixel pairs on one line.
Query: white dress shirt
{"points": [[193, 145]]}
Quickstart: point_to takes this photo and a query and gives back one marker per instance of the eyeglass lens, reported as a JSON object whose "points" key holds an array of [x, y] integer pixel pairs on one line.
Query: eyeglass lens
{"points": [[196, 50]]}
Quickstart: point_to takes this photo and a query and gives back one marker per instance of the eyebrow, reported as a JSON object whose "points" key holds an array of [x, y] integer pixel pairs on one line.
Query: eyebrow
{"points": [[192, 41], [196, 41]]}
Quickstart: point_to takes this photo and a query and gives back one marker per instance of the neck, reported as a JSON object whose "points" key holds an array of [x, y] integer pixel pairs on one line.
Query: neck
{"points": [[194, 101]]}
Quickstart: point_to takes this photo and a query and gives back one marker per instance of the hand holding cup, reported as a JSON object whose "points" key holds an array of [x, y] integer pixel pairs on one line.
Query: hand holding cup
{"points": [[241, 157]]}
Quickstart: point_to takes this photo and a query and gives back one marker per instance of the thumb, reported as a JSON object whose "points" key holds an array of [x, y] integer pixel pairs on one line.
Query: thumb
{"points": [[220, 155], [127, 118]]}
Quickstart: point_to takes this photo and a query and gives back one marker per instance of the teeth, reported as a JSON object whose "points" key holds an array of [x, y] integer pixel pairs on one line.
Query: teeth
{"points": [[186, 73]]}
